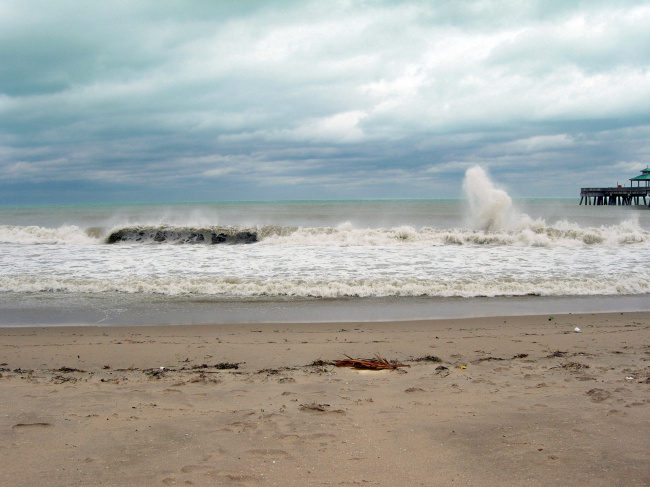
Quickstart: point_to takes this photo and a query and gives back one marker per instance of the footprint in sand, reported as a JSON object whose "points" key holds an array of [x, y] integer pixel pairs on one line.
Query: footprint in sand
{"points": [[268, 453], [31, 425], [202, 469], [599, 395]]}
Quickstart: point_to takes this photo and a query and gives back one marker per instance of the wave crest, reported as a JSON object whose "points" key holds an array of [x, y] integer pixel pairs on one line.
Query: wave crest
{"points": [[531, 233], [28, 235], [182, 235], [534, 234]]}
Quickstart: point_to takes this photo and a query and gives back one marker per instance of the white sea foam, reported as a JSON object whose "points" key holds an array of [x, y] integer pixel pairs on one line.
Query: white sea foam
{"points": [[382, 249], [27, 235], [248, 288]]}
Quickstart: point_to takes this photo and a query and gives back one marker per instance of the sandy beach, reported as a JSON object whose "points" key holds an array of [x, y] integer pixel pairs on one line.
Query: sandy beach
{"points": [[523, 401]]}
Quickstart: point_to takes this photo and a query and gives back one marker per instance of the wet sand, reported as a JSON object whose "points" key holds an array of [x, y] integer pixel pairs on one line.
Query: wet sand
{"points": [[514, 401]]}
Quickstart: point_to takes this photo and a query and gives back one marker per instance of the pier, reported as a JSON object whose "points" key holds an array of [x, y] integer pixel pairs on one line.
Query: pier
{"points": [[614, 196], [624, 196]]}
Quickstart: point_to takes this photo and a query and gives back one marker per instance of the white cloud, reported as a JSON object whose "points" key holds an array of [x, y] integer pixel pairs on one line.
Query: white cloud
{"points": [[341, 127], [631, 167], [317, 91], [535, 144], [18, 170], [451, 166]]}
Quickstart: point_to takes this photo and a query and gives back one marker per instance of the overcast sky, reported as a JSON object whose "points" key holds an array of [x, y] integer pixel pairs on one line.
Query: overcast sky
{"points": [[113, 101]]}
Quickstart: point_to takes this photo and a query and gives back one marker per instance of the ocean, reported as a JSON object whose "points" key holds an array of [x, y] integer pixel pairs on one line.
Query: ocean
{"points": [[310, 261]]}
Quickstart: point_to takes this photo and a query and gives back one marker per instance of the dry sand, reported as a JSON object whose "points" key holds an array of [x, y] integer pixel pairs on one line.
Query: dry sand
{"points": [[521, 401]]}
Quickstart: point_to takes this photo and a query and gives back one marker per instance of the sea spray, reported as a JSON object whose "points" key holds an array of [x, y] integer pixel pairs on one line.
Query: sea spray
{"points": [[497, 222], [490, 207]]}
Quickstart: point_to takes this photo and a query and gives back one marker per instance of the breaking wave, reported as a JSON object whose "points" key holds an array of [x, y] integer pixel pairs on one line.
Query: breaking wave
{"points": [[27, 235], [534, 234], [182, 235], [528, 233], [229, 288]]}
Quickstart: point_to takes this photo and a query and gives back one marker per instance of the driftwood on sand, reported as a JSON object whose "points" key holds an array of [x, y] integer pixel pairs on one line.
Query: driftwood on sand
{"points": [[376, 363]]}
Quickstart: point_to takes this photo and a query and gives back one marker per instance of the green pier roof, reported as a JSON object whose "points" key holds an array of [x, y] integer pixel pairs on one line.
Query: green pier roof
{"points": [[645, 175]]}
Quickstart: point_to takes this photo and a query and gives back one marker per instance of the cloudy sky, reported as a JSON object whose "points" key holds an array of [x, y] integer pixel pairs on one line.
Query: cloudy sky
{"points": [[123, 101]]}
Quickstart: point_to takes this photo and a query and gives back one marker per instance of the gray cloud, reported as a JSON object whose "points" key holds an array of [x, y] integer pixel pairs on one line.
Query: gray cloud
{"points": [[318, 99]]}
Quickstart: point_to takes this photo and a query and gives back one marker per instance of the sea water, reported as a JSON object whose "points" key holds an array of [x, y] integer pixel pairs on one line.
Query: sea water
{"points": [[321, 260]]}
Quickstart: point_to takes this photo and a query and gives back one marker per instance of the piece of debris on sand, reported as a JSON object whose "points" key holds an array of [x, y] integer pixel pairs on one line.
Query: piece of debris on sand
{"points": [[376, 363], [319, 407]]}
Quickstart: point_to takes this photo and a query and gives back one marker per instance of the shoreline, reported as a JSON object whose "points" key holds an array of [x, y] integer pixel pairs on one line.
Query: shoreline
{"points": [[512, 400], [349, 322], [130, 310]]}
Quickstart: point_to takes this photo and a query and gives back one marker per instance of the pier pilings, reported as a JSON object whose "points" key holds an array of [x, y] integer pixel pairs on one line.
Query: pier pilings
{"points": [[615, 196]]}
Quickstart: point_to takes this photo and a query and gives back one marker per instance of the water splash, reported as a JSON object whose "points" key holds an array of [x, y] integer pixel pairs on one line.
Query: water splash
{"points": [[490, 208]]}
